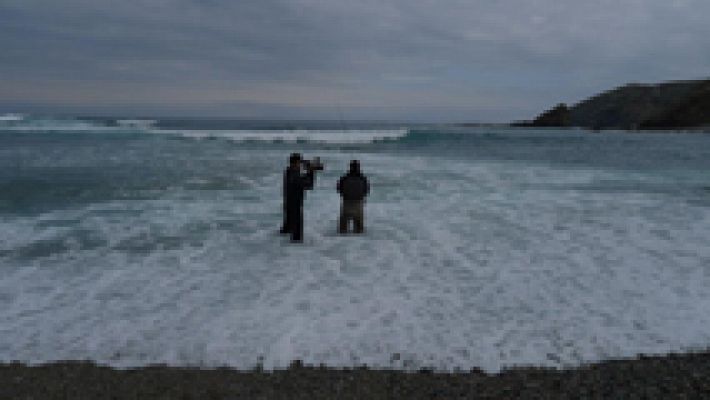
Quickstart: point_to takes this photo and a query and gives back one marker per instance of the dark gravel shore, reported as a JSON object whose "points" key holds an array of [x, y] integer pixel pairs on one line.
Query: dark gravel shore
{"points": [[684, 376]]}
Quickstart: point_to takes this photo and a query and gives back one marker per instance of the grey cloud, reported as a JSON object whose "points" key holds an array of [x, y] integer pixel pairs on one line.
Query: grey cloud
{"points": [[478, 55]]}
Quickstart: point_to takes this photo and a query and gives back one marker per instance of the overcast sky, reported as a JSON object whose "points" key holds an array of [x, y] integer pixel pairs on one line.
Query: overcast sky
{"points": [[439, 60]]}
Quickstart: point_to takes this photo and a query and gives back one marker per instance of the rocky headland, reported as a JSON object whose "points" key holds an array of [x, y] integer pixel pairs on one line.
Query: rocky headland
{"points": [[669, 105]]}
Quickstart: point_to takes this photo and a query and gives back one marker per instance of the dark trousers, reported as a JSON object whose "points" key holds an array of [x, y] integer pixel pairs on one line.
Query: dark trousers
{"points": [[352, 210], [284, 226], [293, 222]]}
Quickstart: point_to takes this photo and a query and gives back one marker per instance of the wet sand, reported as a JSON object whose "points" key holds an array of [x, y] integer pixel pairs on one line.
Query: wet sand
{"points": [[675, 376]]}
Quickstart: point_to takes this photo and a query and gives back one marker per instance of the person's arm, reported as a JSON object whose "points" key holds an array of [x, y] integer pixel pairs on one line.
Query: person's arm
{"points": [[308, 180], [339, 186], [367, 186]]}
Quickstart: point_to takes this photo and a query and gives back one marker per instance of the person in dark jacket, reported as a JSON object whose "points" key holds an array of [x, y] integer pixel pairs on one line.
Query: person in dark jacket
{"points": [[294, 185], [353, 188]]}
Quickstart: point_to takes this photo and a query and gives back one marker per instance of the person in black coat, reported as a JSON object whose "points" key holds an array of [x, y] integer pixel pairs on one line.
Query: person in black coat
{"points": [[353, 188], [294, 186]]}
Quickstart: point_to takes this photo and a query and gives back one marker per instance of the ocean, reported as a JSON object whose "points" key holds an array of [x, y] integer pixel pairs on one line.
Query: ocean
{"points": [[136, 242]]}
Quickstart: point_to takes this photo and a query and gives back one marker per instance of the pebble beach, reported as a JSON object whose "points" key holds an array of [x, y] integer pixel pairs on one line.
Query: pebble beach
{"points": [[674, 376]]}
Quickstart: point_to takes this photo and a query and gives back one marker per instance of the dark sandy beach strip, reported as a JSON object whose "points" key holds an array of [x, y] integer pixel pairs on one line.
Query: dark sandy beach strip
{"points": [[675, 376]]}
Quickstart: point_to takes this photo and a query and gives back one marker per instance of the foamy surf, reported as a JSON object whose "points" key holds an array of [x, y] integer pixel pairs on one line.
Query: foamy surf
{"points": [[138, 252], [11, 117], [148, 127], [292, 136]]}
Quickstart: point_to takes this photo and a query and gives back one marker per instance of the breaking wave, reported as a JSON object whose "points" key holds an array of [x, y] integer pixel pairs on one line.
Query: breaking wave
{"points": [[292, 136], [488, 248], [17, 123], [11, 117]]}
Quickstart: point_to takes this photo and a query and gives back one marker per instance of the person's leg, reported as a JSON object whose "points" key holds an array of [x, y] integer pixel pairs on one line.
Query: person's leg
{"points": [[296, 225], [343, 221], [287, 221], [359, 217]]}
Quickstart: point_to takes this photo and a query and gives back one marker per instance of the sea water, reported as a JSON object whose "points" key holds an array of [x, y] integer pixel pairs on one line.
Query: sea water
{"points": [[137, 242]]}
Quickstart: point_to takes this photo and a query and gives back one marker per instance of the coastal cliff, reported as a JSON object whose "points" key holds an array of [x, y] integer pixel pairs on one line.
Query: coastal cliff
{"points": [[670, 105]]}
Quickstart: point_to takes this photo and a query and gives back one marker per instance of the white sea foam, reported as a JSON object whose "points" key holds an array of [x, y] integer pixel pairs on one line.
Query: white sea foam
{"points": [[333, 136], [339, 136], [464, 264], [11, 117], [56, 125]]}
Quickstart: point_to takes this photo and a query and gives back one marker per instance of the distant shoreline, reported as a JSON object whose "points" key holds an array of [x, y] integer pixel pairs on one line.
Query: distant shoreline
{"points": [[670, 376]]}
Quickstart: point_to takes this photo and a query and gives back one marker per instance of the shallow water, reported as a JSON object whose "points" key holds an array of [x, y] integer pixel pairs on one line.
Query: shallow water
{"points": [[485, 247]]}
